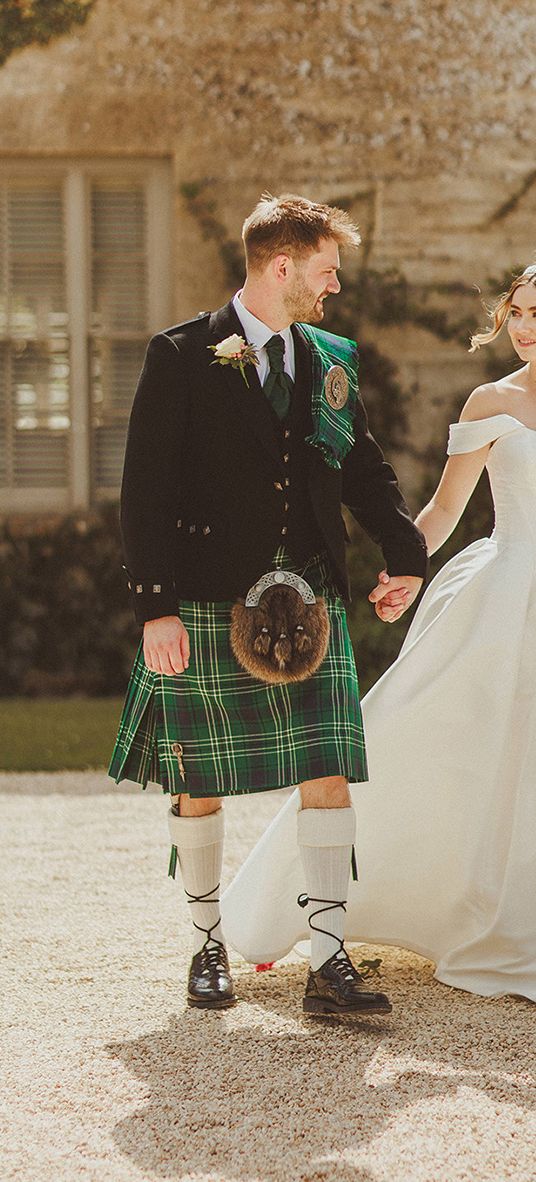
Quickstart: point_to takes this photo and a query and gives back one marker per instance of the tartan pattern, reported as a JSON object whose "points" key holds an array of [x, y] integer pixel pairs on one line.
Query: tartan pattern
{"points": [[333, 429], [237, 734]]}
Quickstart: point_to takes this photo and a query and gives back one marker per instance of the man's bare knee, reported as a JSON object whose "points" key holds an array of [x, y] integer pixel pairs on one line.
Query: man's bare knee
{"points": [[331, 792], [196, 806]]}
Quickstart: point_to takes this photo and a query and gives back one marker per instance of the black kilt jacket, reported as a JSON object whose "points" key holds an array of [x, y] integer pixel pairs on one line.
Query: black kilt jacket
{"points": [[213, 484]]}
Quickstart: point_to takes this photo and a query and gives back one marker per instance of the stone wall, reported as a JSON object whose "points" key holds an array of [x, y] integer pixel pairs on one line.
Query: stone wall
{"points": [[418, 115]]}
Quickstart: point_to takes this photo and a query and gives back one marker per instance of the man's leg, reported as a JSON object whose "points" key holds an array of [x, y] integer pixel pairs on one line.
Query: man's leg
{"points": [[326, 834], [196, 830]]}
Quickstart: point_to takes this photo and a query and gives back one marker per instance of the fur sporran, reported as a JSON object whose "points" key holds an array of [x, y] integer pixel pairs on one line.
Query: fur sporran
{"points": [[278, 637]]}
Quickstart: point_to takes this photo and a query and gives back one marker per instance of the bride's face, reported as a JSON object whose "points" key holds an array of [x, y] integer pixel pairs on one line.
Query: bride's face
{"points": [[522, 321]]}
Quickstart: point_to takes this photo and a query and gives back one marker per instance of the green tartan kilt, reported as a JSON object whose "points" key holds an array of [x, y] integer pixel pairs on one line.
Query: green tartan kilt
{"points": [[215, 731]]}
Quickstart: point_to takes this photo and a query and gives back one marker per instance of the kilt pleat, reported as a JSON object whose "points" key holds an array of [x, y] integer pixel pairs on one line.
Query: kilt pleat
{"points": [[236, 734]]}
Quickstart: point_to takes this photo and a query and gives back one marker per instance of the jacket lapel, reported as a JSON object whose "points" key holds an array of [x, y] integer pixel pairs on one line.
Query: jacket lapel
{"points": [[303, 379], [301, 416], [250, 402]]}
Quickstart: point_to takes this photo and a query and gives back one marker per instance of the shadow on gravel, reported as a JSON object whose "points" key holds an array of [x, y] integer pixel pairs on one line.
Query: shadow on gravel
{"points": [[259, 1091]]}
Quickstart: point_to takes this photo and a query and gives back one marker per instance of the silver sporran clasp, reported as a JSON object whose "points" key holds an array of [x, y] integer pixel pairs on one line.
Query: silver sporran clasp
{"points": [[280, 578]]}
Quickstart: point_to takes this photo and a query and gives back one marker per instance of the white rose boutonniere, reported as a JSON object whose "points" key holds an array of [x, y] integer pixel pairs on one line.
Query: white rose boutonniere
{"points": [[234, 351]]}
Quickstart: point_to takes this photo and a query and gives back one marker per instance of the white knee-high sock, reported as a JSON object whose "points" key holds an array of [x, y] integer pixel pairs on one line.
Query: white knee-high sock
{"points": [[199, 842], [325, 838]]}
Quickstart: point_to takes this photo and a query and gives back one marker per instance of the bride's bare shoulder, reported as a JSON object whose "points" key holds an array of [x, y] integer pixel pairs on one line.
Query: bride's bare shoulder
{"points": [[484, 402]]}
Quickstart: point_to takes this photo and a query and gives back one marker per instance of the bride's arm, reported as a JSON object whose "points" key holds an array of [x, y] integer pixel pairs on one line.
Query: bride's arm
{"points": [[459, 478], [442, 513]]}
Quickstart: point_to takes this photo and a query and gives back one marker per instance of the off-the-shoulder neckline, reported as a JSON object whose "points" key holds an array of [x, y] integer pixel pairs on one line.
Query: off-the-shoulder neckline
{"points": [[491, 418]]}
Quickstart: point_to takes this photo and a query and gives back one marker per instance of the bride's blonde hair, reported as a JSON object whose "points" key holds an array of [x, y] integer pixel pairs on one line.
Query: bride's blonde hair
{"points": [[498, 311]]}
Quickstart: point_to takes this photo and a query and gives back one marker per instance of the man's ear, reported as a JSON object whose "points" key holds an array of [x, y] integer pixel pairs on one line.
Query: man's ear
{"points": [[282, 267]]}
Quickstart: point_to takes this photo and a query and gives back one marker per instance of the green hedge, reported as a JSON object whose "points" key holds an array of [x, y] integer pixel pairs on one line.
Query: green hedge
{"points": [[66, 622]]}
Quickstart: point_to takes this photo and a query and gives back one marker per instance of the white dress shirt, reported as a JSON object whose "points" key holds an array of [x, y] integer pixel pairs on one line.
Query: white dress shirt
{"points": [[257, 333]]}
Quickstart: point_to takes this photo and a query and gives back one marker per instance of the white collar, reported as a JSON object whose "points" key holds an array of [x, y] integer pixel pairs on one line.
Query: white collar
{"points": [[257, 332]]}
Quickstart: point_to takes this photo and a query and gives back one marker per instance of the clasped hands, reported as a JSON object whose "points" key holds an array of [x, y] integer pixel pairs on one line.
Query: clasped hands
{"points": [[393, 595]]}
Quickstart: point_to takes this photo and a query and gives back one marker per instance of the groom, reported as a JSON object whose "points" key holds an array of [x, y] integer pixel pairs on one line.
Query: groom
{"points": [[239, 456]]}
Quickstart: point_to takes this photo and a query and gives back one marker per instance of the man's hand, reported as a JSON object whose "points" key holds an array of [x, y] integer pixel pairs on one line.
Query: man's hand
{"points": [[394, 594], [166, 645]]}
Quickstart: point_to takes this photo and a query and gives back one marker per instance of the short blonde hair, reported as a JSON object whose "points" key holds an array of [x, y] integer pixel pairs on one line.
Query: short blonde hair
{"points": [[498, 312], [295, 226]]}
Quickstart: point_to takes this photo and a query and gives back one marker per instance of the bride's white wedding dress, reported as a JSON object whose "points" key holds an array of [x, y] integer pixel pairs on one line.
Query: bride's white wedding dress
{"points": [[447, 824]]}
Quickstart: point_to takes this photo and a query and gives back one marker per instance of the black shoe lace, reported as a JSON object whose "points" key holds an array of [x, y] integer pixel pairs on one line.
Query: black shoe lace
{"points": [[208, 931], [213, 957], [331, 905], [344, 968]]}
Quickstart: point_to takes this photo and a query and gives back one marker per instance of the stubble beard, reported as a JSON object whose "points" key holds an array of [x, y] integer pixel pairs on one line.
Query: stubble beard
{"points": [[300, 303]]}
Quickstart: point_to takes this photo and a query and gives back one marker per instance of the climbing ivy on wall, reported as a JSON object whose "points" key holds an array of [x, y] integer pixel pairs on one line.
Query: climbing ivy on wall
{"points": [[24, 22]]}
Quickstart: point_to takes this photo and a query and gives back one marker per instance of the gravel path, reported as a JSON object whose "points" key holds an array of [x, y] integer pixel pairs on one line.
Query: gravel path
{"points": [[111, 1079]]}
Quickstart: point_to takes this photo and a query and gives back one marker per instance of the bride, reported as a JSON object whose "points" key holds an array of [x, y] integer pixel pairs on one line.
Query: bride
{"points": [[447, 823]]}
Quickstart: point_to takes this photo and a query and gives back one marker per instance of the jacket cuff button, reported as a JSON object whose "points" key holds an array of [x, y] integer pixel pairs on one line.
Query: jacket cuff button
{"points": [[139, 588]]}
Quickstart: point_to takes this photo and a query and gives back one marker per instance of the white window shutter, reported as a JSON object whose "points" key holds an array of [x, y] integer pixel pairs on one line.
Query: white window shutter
{"points": [[85, 278], [34, 377], [119, 319]]}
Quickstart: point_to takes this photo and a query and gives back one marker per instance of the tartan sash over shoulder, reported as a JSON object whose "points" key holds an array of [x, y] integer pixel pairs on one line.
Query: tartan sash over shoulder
{"points": [[333, 429]]}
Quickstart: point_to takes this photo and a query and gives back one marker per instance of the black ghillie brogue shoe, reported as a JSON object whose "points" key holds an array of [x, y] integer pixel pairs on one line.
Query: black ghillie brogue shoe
{"points": [[337, 988], [210, 985]]}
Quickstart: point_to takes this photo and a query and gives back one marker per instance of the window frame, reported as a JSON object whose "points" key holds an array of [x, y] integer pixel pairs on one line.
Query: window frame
{"points": [[76, 176]]}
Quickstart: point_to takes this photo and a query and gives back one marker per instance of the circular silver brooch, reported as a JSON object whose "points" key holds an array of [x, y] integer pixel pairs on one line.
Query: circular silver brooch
{"points": [[336, 387]]}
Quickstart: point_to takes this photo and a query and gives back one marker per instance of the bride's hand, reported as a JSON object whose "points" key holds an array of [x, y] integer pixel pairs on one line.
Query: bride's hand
{"points": [[393, 595]]}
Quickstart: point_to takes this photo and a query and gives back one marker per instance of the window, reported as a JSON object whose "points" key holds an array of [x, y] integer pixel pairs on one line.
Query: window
{"points": [[85, 279]]}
